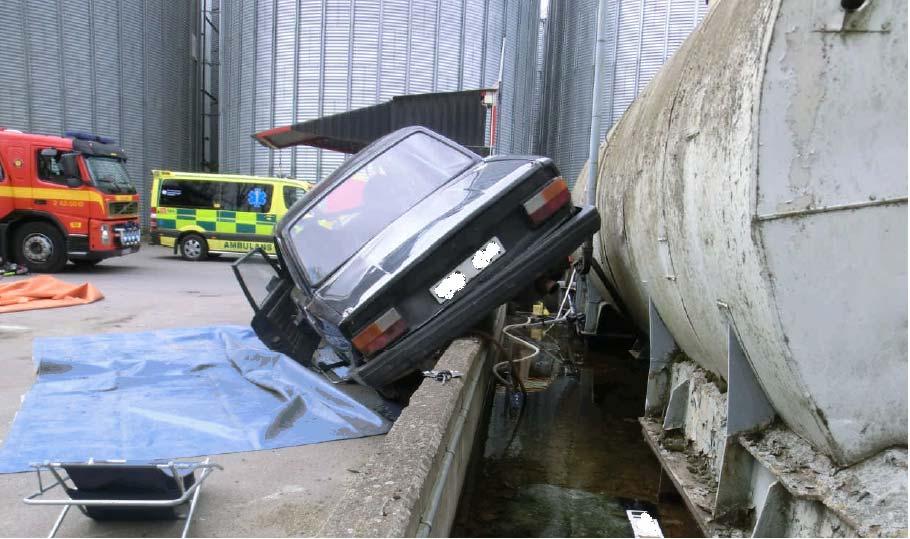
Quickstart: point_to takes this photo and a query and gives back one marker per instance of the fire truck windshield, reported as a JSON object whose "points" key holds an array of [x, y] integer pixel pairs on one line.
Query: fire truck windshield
{"points": [[109, 175]]}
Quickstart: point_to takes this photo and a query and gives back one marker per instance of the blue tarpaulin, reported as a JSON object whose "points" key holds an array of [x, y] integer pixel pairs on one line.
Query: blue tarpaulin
{"points": [[177, 393]]}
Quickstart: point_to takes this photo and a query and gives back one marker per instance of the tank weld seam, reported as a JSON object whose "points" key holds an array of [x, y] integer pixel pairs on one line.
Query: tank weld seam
{"points": [[829, 209], [663, 183]]}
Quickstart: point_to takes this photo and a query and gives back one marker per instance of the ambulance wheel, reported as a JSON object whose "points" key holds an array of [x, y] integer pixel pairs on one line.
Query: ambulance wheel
{"points": [[40, 247], [193, 247]]}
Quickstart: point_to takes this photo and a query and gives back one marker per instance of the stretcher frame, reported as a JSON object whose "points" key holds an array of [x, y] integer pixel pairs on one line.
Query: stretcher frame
{"points": [[177, 470]]}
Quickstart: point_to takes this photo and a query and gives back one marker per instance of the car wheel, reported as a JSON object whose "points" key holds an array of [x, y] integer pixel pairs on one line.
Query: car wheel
{"points": [[40, 247], [193, 247], [400, 390]]}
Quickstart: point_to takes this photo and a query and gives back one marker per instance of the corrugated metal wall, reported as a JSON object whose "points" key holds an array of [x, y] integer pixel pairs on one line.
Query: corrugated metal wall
{"points": [[521, 20], [287, 61], [641, 35], [122, 68]]}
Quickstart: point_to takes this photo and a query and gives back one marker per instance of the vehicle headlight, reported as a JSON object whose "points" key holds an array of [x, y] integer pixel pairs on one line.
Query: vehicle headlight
{"points": [[105, 234]]}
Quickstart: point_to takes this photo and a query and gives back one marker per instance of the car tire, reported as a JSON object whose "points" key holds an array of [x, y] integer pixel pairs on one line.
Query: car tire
{"points": [[40, 247], [194, 248], [400, 390]]}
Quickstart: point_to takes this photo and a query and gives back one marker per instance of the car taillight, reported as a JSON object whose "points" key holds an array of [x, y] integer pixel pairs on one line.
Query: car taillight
{"points": [[547, 201], [380, 333], [153, 219]]}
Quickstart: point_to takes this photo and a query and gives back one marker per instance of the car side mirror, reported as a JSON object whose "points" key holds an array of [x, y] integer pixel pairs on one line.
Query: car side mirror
{"points": [[70, 169]]}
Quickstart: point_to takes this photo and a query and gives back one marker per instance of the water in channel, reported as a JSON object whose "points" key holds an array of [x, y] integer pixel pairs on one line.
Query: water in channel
{"points": [[577, 460]]}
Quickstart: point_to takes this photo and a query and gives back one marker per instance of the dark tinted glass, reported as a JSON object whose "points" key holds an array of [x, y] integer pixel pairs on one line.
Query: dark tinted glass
{"points": [[370, 198], [292, 194], [188, 194], [49, 168], [253, 197], [109, 175]]}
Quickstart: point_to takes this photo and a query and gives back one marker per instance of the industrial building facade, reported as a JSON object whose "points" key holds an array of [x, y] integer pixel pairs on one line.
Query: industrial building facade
{"points": [[121, 68], [288, 61], [186, 88]]}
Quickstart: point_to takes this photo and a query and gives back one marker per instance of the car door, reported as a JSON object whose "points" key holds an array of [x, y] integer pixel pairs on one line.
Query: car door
{"points": [[277, 321]]}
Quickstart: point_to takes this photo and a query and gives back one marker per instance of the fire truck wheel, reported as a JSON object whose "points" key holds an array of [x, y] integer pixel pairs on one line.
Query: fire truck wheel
{"points": [[193, 247], [40, 247]]}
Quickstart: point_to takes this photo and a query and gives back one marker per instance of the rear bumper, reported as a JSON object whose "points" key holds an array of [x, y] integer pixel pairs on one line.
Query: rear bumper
{"points": [[405, 355]]}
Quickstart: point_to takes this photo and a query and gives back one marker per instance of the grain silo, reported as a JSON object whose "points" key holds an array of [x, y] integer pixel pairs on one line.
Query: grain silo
{"points": [[641, 36], [288, 61], [122, 68]]}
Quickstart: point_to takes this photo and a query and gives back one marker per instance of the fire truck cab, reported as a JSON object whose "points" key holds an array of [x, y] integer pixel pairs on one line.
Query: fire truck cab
{"points": [[64, 198]]}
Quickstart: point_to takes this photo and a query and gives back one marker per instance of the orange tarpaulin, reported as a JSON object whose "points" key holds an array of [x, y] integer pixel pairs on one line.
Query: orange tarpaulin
{"points": [[45, 292]]}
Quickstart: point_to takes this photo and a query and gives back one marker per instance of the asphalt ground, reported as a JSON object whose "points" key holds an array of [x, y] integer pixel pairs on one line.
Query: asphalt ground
{"points": [[280, 492]]}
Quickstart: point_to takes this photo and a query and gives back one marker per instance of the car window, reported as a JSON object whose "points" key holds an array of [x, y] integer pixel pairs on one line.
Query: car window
{"points": [[252, 197], [50, 169], [292, 194], [370, 198], [2, 174], [187, 194]]}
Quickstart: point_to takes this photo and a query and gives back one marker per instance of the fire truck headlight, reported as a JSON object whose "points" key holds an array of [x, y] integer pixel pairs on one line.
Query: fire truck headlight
{"points": [[105, 234]]}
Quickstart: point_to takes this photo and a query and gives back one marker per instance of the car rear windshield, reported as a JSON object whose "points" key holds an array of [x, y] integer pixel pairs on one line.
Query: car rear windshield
{"points": [[369, 199]]}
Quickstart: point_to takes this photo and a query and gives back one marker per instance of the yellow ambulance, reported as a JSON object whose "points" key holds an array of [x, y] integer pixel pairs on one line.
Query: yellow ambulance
{"points": [[201, 214]]}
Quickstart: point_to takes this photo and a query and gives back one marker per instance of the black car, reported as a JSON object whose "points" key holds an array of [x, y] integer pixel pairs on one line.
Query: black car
{"points": [[406, 246]]}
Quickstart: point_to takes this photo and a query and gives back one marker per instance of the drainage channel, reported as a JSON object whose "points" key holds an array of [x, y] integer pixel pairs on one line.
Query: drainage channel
{"points": [[577, 460]]}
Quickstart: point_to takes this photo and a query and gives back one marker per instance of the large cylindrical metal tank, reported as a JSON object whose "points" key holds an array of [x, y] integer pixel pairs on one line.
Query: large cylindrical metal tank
{"points": [[122, 68], [640, 36], [288, 61], [760, 181]]}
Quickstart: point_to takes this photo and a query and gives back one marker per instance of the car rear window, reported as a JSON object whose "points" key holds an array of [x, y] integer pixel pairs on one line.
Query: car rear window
{"points": [[371, 198]]}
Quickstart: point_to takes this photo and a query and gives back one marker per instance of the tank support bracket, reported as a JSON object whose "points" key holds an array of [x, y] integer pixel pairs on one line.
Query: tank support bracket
{"points": [[675, 416], [748, 408], [662, 347]]}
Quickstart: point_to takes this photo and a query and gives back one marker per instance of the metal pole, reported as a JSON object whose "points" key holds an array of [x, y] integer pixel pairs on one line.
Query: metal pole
{"points": [[592, 298], [594, 142]]}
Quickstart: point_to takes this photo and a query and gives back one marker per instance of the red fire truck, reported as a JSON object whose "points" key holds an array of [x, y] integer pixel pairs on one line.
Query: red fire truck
{"points": [[64, 198]]}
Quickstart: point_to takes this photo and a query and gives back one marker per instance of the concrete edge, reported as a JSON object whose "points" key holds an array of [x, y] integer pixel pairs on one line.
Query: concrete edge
{"points": [[412, 484]]}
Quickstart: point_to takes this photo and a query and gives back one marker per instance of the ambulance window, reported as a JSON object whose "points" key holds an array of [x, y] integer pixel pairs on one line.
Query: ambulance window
{"points": [[292, 194], [251, 197], [49, 168], [187, 194]]}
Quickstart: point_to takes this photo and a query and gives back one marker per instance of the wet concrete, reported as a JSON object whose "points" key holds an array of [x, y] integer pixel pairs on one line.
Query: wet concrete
{"points": [[577, 460]]}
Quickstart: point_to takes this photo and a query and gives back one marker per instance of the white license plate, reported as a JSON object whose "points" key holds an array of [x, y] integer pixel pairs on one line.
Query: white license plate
{"points": [[446, 288]]}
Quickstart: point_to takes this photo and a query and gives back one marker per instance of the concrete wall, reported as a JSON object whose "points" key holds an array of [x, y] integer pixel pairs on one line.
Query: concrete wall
{"points": [[412, 484]]}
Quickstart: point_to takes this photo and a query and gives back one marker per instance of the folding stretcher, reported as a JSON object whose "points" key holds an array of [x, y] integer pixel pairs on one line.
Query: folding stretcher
{"points": [[124, 490]]}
